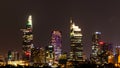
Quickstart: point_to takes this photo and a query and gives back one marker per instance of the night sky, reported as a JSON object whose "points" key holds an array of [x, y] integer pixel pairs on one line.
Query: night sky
{"points": [[49, 15]]}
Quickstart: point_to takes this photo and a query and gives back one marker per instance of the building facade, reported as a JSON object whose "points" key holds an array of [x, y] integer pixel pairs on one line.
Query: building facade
{"points": [[49, 54], [96, 50], [27, 39], [95, 43], [76, 53], [56, 42]]}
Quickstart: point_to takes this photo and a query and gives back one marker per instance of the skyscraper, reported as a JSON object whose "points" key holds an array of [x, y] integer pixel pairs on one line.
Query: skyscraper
{"points": [[76, 53], [49, 54], [56, 43], [27, 39], [96, 40]]}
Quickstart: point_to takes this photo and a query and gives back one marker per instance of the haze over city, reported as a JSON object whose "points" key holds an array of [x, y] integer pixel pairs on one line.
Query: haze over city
{"points": [[90, 16]]}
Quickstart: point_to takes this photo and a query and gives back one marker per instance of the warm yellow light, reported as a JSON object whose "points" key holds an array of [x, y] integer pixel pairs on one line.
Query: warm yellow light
{"points": [[117, 65], [119, 59], [75, 28], [15, 63], [77, 34], [111, 59]]}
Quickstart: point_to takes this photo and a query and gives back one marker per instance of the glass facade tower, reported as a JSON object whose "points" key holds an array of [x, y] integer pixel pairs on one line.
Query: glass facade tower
{"points": [[96, 38], [27, 39], [56, 43], [76, 53]]}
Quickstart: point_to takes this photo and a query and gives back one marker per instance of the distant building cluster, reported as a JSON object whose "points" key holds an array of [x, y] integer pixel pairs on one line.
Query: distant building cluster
{"points": [[102, 52]]}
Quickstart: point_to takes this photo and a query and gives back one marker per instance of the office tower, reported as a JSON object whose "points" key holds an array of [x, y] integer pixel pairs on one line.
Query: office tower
{"points": [[56, 43], [27, 39], [95, 43], [49, 54], [96, 47], [76, 53]]}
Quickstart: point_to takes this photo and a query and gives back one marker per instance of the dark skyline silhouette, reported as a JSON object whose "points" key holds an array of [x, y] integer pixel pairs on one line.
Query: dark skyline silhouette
{"points": [[89, 15]]}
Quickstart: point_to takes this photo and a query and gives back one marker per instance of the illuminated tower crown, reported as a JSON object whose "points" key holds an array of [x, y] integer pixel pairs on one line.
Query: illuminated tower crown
{"points": [[29, 22]]}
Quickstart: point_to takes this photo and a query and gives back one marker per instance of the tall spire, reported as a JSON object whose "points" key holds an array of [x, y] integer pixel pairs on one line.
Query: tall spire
{"points": [[29, 22]]}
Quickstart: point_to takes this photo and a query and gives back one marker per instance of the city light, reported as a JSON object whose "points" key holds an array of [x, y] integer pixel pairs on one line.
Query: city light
{"points": [[30, 20], [101, 42], [56, 34], [97, 32]]}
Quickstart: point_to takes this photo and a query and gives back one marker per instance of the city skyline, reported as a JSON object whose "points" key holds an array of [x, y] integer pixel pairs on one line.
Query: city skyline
{"points": [[90, 16]]}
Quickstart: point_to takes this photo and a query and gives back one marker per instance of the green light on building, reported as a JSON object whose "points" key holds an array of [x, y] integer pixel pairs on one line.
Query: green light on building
{"points": [[29, 22]]}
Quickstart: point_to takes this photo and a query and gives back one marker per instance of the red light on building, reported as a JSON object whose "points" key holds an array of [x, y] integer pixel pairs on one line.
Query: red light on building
{"points": [[101, 42], [27, 53]]}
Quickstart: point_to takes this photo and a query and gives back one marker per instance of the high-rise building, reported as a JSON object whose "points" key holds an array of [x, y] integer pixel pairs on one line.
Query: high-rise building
{"points": [[101, 51], [96, 41], [27, 39], [76, 53], [49, 54], [56, 43]]}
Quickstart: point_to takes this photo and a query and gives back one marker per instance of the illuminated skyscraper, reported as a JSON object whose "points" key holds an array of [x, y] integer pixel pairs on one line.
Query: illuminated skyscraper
{"points": [[76, 53], [28, 39], [56, 43], [96, 41], [50, 54]]}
